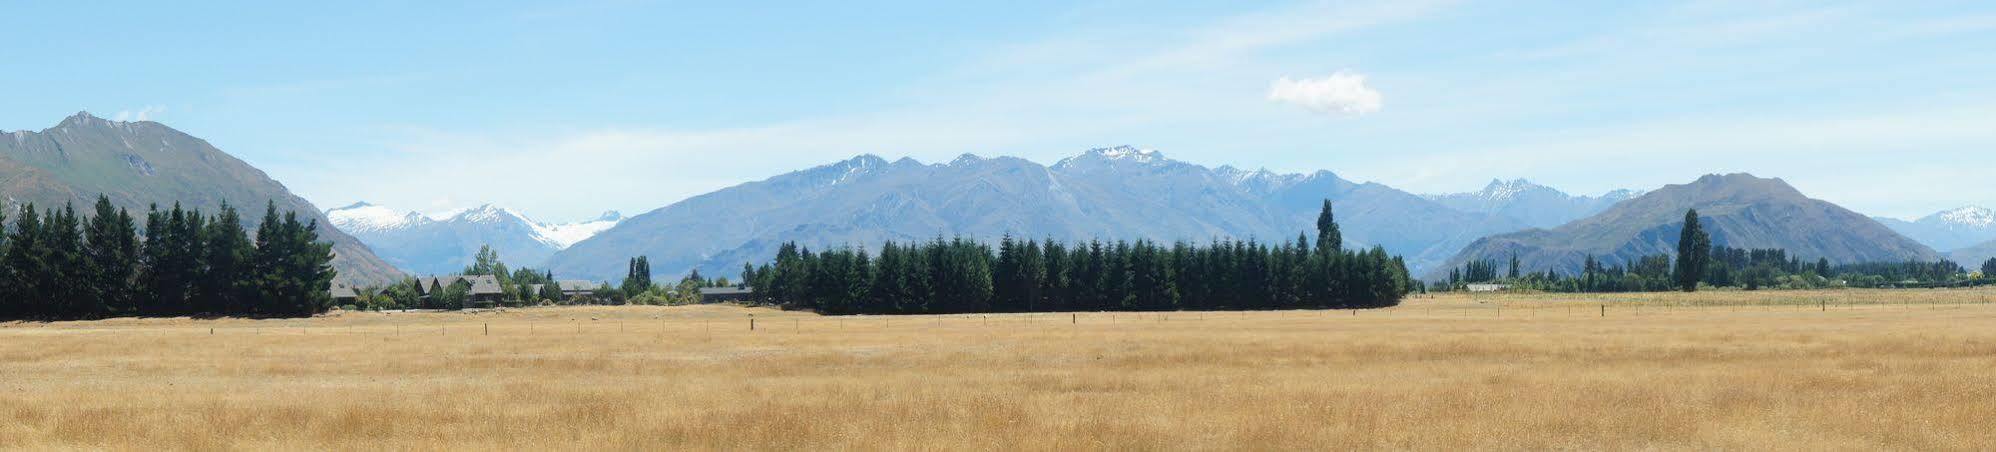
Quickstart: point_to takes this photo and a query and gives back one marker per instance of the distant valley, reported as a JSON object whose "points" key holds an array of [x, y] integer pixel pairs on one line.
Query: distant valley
{"points": [[444, 243]]}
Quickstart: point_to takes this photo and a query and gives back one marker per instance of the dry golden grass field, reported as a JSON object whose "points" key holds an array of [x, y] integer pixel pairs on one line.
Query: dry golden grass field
{"points": [[1840, 370]]}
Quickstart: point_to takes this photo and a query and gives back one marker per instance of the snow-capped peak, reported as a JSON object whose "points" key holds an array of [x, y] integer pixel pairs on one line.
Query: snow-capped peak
{"points": [[568, 234], [1500, 190], [363, 217], [1128, 153], [487, 213], [1971, 216], [1101, 156]]}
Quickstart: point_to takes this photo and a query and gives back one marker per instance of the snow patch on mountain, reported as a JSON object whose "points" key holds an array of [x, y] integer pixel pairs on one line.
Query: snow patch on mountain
{"points": [[567, 234], [1503, 191], [363, 217], [1970, 216]]}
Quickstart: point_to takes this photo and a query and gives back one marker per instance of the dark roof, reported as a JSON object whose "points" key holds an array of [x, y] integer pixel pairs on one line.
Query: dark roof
{"points": [[577, 285], [342, 291], [723, 291], [480, 284]]}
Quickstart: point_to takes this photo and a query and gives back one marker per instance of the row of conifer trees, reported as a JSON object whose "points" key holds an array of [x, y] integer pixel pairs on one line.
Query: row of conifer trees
{"points": [[961, 275], [55, 264]]}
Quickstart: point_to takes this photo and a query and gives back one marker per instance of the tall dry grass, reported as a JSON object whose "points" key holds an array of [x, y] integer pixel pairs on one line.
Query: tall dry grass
{"points": [[1719, 370]]}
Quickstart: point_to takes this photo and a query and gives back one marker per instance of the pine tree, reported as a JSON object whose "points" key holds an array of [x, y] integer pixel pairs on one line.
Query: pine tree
{"points": [[191, 256], [111, 251], [7, 279], [64, 277], [292, 267], [1329, 239], [27, 257], [229, 261]]}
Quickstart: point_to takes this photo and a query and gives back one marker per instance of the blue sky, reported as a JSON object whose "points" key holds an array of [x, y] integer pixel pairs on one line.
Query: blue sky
{"points": [[567, 109]]}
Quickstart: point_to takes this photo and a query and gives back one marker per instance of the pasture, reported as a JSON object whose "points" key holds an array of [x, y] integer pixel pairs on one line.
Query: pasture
{"points": [[1855, 369]]}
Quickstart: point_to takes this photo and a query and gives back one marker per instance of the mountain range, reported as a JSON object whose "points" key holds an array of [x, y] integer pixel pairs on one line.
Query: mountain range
{"points": [[1532, 205], [1738, 210], [1119, 193], [1106, 193], [142, 163], [1949, 230], [445, 243]]}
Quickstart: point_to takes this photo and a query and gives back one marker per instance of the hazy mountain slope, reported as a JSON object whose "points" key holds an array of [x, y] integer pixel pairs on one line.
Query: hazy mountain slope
{"points": [[1739, 210], [1948, 230], [1972, 257], [1530, 204], [1114, 193], [423, 245], [141, 163]]}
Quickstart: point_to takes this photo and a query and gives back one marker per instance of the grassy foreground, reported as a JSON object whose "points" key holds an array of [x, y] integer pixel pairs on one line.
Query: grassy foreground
{"points": [[1770, 370]]}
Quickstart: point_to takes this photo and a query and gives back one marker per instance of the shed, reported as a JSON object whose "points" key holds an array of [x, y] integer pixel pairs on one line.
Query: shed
{"points": [[1489, 287], [724, 294]]}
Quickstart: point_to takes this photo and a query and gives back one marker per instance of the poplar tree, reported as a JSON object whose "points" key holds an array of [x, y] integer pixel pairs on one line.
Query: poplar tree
{"points": [[1693, 251]]}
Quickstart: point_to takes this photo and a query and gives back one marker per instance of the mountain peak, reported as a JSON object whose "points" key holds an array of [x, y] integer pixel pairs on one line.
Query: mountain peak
{"points": [[81, 118], [1975, 216], [966, 158], [1502, 190], [1114, 155], [1127, 152], [487, 213], [866, 160], [361, 217]]}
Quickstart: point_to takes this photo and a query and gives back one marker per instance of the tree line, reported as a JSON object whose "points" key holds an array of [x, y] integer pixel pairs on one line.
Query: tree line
{"points": [[964, 276], [526, 286], [55, 264], [1713, 266]]}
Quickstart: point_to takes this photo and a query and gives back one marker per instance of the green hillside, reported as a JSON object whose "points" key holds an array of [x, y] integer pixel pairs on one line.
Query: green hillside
{"points": [[142, 163]]}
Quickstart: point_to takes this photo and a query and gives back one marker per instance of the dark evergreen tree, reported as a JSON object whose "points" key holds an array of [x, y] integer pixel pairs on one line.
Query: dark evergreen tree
{"points": [[637, 280], [229, 264], [1329, 238], [1693, 251], [111, 250]]}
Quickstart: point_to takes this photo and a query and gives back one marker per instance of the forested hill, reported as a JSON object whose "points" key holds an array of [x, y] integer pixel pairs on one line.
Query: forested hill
{"points": [[1738, 210], [140, 163]]}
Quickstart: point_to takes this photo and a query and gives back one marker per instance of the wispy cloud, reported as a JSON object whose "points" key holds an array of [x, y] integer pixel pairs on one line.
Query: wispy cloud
{"points": [[146, 113], [1069, 87], [1342, 93]]}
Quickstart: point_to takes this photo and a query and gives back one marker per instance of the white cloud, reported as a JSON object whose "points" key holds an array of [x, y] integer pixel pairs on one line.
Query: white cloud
{"points": [[1342, 93], [147, 113]]}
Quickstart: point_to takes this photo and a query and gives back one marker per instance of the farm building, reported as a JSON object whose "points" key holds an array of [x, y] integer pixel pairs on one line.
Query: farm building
{"points": [[1489, 287], [723, 294], [484, 288], [343, 293], [576, 287]]}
